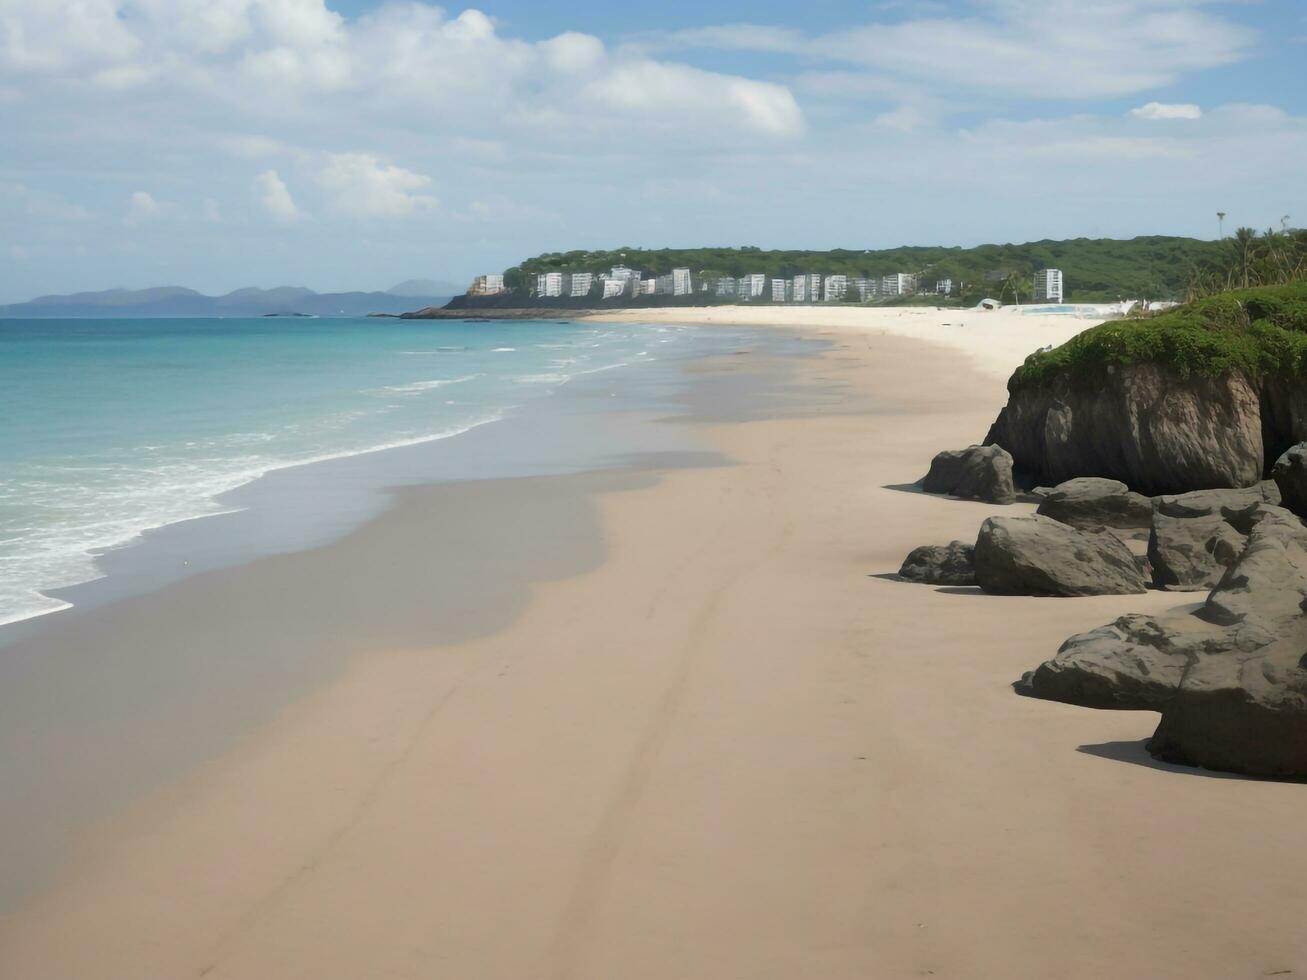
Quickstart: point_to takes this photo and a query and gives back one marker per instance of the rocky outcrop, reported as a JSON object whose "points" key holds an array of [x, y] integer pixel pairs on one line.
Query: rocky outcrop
{"points": [[1134, 663], [1091, 502], [1243, 713], [975, 473], [1223, 502], [1140, 424], [1040, 556], [940, 564], [1192, 553], [1230, 679], [1290, 474]]}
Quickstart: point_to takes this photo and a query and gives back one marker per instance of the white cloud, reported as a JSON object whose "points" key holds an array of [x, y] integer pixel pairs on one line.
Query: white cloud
{"points": [[1036, 49], [364, 187], [1163, 110], [51, 35], [649, 88], [572, 52], [142, 206], [275, 196]]}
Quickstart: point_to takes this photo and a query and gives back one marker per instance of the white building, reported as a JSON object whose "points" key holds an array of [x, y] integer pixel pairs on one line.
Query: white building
{"points": [[781, 290], [486, 286], [645, 287], [863, 288], [799, 289], [1048, 286], [549, 284], [726, 286], [582, 283], [614, 287], [682, 283], [944, 287], [899, 284], [751, 286], [836, 287]]}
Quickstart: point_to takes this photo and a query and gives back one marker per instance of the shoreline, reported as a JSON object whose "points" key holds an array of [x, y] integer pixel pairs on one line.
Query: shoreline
{"points": [[729, 747]]}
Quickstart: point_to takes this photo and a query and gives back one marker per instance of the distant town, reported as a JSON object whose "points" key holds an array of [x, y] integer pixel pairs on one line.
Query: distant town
{"points": [[621, 282]]}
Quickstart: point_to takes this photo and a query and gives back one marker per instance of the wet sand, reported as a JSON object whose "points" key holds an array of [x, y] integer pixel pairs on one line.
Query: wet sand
{"points": [[703, 739]]}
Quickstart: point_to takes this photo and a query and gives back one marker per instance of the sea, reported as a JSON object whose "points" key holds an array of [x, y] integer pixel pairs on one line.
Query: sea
{"points": [[111, 428]]}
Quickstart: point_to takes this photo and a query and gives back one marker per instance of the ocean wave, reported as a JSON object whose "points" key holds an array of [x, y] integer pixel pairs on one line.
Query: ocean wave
{"points": [[415, 387]]}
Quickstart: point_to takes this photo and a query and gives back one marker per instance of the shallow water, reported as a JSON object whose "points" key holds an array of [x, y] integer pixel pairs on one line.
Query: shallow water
{"points": [[109, 428]]}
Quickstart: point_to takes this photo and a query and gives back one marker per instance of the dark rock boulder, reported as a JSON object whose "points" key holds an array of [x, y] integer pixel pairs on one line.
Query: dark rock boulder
{"points": [[1290, 474], [1090, 502], [1269, 581], [1219, 502], [1140, 424], [1243, 712], [1133, 664], [1192, 553], [1230, 679], [940, 564], [975, 473], [1040, 556]]}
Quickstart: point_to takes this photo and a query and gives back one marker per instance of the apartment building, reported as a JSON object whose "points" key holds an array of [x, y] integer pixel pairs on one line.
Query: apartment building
{"points": [[549, 284], [782, 290], [486, 286], [835, 288], [898, 284], [580, 284], [1048, 286], [682, 282]]}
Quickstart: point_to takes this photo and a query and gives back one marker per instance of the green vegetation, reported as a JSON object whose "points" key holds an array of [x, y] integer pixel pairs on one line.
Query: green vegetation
{"points": [[1261, 332], [1095, 270], [1249, 259]]}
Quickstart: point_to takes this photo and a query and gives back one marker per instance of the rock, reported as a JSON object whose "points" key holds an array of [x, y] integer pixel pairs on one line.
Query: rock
{"points": [[1244, 713], [1040, 556], [1205, 503], [1134, 663], [1269, 580], [936, 564], [1089, 502], [1189, 554], [1141, 424], [975, 473], [1230, 679], [1290, 473]]}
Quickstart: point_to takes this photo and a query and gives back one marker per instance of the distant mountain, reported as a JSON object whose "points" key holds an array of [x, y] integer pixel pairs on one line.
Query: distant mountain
{"points": [[180, 301], [426, 287]]}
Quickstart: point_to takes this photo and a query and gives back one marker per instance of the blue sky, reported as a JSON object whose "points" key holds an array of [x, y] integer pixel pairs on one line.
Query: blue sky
{"points": [[344, 144]]}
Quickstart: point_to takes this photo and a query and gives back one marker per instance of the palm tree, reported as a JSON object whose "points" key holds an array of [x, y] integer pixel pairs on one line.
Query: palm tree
{"points": [[1220, 223], [1245, 240]]}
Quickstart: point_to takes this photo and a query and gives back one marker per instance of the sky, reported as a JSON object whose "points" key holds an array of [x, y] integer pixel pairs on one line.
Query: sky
{"points": [[352, 144]]}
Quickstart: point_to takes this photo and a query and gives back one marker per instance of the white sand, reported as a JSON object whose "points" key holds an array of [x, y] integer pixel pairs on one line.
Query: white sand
{"points": [[995, 340]]}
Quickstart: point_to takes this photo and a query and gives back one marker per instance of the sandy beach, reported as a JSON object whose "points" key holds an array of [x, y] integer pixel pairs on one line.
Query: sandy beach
{"points": [[704, 735]]}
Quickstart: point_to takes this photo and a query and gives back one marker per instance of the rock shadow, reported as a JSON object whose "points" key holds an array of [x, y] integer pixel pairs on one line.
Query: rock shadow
{"points": [[1135, 753]]}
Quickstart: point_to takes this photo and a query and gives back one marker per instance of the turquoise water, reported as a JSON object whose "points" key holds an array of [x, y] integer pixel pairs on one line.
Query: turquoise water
{"points": [[111, 427]]}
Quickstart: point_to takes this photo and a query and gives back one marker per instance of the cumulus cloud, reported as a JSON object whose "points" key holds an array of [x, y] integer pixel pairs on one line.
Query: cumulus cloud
{"points": [[1162, 110], [275, 197], [363, 186], [142, 206], [647, 87]]}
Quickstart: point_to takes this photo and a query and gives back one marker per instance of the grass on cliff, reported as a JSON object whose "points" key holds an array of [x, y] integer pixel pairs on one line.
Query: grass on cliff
{"points": [[1261, 332]]}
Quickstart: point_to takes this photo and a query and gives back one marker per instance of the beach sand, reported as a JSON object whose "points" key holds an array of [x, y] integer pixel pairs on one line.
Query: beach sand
{"points": [[723, 747]]}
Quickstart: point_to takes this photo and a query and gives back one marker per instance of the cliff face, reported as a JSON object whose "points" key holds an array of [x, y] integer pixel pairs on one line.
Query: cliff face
{"points": [[1145, 427], [1207, 395]]}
